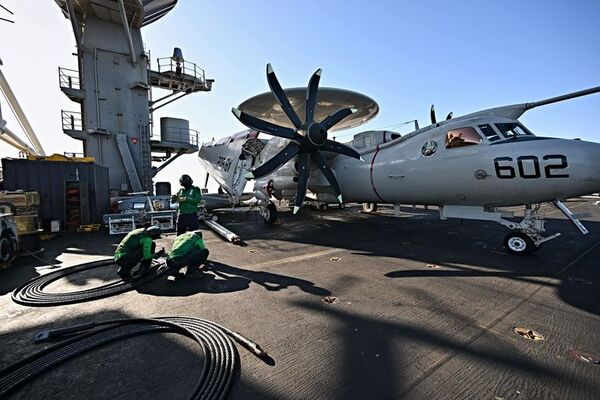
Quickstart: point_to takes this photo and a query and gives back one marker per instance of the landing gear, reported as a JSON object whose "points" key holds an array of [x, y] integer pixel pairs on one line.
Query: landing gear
{"points": [[519, 243], [526, 236], [369, 207], [270, 214], [323, 207]]}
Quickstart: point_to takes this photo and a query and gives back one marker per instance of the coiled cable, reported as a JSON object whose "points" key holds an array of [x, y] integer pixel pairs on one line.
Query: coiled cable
{"points": [[32, 293], [221, 359]]}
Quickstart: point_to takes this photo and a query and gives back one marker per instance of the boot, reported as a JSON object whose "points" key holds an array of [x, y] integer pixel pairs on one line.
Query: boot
{"points": [[124, 273]]}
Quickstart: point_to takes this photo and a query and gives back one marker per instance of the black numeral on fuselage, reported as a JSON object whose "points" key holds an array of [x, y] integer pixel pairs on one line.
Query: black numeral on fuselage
{"points": [[529, 167], [224, 163]]}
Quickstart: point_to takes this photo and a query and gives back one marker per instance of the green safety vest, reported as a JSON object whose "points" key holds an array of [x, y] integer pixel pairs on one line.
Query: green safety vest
{"points": [[132, 242], [191, 200], [184, 244]]}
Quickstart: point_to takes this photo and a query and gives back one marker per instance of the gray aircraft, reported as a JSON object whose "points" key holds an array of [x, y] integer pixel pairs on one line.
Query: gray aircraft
{"points": [[468, 166]]}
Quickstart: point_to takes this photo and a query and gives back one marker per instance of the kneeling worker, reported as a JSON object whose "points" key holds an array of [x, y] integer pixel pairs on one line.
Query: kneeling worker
{"points": [[188, 251], [137, 247]]}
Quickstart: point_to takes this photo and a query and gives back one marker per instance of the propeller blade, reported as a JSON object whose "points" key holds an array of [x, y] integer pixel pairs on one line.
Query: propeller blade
{"points": [[303, 172], [449, 116], [432, 114], [264, 126], [311, 96], [337, 116], [277, 161], [318, 159], [206, 180], [281, 98], [340, 148]]}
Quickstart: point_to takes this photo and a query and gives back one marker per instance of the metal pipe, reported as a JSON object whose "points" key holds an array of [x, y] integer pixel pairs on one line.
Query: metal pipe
{"points": [[170, 101], [18, 111], [169, 161], [74, 23], [127, 31], [9, 137], [224, 232]]}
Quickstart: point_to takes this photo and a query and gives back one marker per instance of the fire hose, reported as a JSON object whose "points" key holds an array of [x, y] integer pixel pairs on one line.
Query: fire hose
{"points": [[221, 360]]}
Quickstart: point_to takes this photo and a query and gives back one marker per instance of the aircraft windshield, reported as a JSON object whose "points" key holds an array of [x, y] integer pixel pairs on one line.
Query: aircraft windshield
{"points": [[460, 137], [512, 130]]}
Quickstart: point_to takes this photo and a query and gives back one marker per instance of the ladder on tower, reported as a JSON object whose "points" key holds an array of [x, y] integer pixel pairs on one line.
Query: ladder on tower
{"points": [[146, 154]]}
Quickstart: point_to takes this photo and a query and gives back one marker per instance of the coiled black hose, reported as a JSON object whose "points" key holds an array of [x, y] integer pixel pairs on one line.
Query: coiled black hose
{"points": [[32, 292], [215, 379]]}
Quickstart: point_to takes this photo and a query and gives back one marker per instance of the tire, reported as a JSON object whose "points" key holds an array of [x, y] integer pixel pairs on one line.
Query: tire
{"points": [[369, 207], [518, 243], [271, 214], [323, 207], [8, 248]]}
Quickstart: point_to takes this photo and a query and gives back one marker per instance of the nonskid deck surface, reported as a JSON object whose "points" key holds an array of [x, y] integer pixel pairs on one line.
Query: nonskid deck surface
{"points": [[418, 308]]}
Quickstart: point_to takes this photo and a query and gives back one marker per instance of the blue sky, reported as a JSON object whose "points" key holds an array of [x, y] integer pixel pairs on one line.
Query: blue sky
{"points": [[461, 56]]}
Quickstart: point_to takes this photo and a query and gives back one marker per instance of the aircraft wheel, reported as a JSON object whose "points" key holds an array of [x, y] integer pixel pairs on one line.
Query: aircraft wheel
{"points": [[8, 247], [341, 206], [271, 214], [369, 207], [323, 207], [519, 243]]}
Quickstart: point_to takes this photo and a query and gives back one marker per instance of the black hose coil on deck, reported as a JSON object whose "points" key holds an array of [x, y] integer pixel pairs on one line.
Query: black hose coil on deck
{"points": [[217, 374], [32, 292]]}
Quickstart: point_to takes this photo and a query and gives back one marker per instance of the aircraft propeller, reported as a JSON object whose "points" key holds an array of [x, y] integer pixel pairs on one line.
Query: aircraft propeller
{"points": [[432, 115], [308, 138]]}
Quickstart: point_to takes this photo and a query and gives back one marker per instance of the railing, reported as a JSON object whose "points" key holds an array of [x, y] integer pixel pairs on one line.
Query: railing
{"points": [[68, 78], [180, 68], [180, 135], [71, 120]]}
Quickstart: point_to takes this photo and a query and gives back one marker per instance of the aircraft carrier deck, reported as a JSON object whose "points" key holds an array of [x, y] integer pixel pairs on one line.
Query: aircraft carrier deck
{"points": [[423, 309]]}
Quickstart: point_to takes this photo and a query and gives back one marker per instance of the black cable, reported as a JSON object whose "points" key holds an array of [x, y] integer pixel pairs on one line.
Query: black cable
{"points": [[214, 381], [32, 292]]}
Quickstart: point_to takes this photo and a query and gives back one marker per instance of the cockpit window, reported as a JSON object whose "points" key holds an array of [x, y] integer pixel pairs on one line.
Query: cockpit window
{"points": [[512, 130], [489, 132], [466, 136]]}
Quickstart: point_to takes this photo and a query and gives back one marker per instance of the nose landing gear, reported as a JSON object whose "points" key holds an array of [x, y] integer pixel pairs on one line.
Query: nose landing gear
{"points": [[520, 243], [527, 235]]}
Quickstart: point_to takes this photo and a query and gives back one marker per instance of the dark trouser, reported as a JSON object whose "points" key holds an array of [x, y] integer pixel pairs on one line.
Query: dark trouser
{"points": [[192, 260], [186, 222], [129, 261]]}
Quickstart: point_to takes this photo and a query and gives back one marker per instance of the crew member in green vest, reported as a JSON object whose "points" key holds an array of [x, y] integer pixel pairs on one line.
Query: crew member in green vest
{"points": [[137, 247], [188, 251], [188, 197]]}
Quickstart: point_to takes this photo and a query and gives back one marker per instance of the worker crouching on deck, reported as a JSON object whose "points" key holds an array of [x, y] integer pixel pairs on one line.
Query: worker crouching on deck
{"points": [[188, 197], [188, 251], [137, 247]]}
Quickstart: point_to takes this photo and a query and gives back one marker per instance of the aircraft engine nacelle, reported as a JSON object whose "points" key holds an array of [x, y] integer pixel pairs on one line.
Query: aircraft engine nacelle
{"points": [[280, 185]]}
